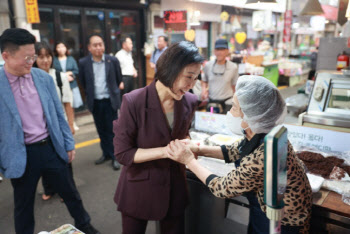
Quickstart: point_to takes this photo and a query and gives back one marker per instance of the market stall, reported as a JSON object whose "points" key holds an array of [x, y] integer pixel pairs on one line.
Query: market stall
{"points": [[331, 196]]}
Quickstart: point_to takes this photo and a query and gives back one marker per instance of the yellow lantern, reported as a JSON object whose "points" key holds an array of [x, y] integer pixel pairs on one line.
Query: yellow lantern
{"points": [[224, 16], [241, 37], [190, 35]]}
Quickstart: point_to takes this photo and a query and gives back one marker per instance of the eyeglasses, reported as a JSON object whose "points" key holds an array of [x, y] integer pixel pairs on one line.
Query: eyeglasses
{"points": [[31, 59], [218, 73]]}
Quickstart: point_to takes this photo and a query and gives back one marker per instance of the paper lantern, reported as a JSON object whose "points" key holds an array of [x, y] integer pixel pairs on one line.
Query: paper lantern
{"points": [[240, 37], [224, 16], [190, 35]]}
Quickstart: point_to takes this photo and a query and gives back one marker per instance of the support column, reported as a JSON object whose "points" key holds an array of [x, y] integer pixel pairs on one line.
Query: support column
{"points": [[4, 16], [20, 15]]}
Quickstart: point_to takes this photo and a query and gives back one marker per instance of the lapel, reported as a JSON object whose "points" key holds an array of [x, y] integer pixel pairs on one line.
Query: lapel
{"points": [[90, 70], [7, 95], [107, 67], [58, 64], [155, 108]]}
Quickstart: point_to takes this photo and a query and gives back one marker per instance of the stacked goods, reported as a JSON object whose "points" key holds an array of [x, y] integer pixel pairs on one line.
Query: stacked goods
{"points": [[328, 167], [65, 229]]}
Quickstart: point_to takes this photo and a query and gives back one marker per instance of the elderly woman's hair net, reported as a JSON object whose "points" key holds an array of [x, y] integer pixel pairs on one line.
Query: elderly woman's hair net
{"points": [[261, 103]]}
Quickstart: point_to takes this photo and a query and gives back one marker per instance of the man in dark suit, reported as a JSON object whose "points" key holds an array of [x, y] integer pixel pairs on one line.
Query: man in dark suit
{"points": [[100, 76]]}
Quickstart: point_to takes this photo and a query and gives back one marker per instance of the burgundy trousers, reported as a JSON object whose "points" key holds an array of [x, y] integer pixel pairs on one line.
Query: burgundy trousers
{"points": [[168, 225]]}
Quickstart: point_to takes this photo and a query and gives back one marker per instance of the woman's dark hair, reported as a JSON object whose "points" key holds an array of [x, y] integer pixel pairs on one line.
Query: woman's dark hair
{"points": [[55, 50], [12, 38], [174, 59], [42, 45]]}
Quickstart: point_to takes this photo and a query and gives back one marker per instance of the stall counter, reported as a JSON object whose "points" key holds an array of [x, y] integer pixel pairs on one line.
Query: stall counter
{"points": [[208, 214]]}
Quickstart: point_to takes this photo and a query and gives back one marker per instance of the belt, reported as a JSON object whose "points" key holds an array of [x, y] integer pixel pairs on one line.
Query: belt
{"points": [[102, 100], [44, 141]]}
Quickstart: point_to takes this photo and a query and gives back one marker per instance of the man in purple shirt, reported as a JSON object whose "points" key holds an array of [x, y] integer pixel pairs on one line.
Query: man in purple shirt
{"points": [[35, 138]]}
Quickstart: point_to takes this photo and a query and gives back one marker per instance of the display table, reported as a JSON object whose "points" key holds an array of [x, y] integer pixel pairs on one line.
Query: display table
{"points": [[208, 214], [329, 213]]}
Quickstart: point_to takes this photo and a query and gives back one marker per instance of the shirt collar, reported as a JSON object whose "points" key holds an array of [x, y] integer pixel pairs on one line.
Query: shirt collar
{"points": [[102, 60], [163, 49], [126, 52], [12, 78]]}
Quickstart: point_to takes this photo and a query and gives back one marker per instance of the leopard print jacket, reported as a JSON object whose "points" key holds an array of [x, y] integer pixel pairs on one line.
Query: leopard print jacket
{"points": [[249, 176]]}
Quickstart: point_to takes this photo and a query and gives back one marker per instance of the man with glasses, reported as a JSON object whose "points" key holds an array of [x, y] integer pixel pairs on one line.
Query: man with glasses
{"points": [[220, 77], [35, 138]]}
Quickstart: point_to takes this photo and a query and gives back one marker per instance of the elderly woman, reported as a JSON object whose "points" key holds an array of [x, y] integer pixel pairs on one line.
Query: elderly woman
{"points": [[257, 108], [151, 186]]}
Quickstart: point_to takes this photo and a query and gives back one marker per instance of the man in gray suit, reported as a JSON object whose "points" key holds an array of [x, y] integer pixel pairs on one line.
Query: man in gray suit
{"points": [[101, 78], [35, 138]]}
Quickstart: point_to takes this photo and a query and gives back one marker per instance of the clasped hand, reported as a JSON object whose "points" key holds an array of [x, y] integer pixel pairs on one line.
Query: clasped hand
{"points": [[181, 151]]}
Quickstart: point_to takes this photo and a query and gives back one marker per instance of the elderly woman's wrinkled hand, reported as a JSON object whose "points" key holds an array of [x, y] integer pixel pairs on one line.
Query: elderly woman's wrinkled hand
{"points": [[193, 146], [179, 152]]}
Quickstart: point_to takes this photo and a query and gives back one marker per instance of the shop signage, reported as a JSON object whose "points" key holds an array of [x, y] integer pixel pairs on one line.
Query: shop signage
{"points": [[330, 12], [175, 20], [321, 139], [211, 122], [32, 11], [128, 20], [288, 18]]}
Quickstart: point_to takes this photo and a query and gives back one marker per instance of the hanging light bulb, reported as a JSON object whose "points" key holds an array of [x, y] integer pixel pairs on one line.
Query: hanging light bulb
{"points": [[312, 7]]}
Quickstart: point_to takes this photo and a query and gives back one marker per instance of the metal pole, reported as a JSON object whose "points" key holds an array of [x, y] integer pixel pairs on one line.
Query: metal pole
{"points": [[274, 227]]}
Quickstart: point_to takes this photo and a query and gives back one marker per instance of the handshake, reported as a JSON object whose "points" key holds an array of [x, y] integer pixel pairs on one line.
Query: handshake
{"points": [[182, 151]]}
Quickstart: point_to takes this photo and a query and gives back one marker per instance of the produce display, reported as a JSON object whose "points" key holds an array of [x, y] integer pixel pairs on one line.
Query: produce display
{"points": [[330, 167], [64, 229]]}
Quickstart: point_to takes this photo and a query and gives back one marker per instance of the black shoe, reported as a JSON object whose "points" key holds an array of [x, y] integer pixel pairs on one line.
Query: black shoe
{"points": [[115, 165], [101, 160], [89, 229]]}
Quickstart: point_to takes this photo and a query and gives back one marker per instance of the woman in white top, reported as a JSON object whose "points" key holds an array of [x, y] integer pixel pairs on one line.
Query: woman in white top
{"points": [[44, 62]]}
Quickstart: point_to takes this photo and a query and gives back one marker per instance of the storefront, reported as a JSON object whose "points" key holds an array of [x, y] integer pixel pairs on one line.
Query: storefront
{"points": [[74, 21]]}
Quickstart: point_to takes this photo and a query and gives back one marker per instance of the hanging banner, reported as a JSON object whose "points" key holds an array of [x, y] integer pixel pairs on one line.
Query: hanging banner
{"points": [[342, 6], [32, 11], [287, 31]]}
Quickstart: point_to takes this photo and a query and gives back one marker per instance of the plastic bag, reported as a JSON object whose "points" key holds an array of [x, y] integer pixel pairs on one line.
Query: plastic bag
{"points": [[297, 103]]}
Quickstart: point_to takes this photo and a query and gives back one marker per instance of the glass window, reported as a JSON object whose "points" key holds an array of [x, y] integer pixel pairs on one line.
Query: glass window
{"points": [[71, 31], [339, 98], [46, 27], [123, 24], [95, 21]]}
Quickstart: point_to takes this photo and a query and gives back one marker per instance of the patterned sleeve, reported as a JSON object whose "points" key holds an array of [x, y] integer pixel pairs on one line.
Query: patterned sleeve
{"points": [[249, 176], [231, 152]]}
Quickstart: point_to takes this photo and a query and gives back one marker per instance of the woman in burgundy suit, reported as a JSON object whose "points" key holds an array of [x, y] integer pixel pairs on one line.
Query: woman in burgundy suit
{"points": [[151, 186]]}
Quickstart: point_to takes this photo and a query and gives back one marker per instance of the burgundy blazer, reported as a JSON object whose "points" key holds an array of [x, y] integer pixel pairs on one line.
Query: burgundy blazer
{"points": [[154, 189]]}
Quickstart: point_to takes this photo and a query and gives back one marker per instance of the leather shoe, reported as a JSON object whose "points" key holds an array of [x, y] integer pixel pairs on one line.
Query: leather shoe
{"points": [[115, 165], [89, 229], [101, 160]]}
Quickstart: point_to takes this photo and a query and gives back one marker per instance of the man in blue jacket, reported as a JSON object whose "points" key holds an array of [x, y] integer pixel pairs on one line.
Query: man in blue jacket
{"points": [[35, 138], [101, 78]]}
